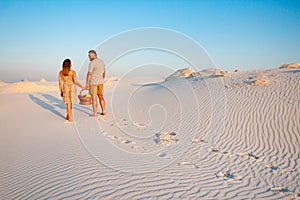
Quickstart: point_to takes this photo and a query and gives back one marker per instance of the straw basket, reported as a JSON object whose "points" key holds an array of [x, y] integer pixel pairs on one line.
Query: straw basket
{"points": [[84, 99]]}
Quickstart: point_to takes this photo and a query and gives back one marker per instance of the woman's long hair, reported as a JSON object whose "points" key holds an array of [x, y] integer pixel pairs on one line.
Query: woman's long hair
{"points": [[66, 67]]}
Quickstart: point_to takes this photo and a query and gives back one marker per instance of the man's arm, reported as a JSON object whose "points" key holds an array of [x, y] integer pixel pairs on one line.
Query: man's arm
{"points": [[88, 78], [104, 74]]}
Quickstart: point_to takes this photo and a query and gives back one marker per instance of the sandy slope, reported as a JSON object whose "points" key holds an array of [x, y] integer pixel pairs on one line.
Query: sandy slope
{"points": [[235, 137]]}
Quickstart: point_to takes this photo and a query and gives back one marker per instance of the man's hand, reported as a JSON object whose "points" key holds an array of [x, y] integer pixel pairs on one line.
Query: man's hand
{"points": [[88, 78]]}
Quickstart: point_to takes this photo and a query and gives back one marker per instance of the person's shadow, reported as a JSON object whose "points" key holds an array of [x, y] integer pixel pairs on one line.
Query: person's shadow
{"points": [[52, 103], [46, 106]]}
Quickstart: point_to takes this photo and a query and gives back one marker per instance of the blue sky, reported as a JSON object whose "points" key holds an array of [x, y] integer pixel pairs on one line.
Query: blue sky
{"points": [[36, 36]]}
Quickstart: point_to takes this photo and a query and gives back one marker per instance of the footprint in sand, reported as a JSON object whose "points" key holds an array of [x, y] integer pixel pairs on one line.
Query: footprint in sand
{"points": [[112, 137], [121, 123], [123, 140], [139, 125], [253, 156], [166, 138], [164, 155], [101, 118], [278, 189], [228, 175], [124, 123], [282, 190], [188, 165], [249, 155], [214, 150], [225, 175], [271, 167], [101, 132], [198, 141], [126, 141], [138, 148]]}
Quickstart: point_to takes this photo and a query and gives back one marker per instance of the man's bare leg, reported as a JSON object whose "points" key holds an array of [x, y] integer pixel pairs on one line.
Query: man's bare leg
{"points": [[102, 103], [95, 105]]}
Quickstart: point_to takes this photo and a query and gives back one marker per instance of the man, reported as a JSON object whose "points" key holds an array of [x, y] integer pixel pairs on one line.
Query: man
{"points": [[95, 80]]}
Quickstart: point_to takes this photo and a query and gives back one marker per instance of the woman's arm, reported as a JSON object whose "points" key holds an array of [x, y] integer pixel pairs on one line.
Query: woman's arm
{"points": [[75, 80], [60, 83]]}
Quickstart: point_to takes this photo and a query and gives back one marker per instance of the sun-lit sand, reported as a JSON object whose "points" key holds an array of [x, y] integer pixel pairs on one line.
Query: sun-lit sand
{"points": [[201, 135]]}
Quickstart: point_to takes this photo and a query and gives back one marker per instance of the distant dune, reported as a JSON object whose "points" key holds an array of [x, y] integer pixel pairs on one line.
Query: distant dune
{"points": [[290, 66], [41, 86], [189, 73], [26, 86]]}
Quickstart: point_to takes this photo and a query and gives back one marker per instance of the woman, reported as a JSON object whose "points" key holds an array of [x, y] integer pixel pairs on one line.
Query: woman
{"points": [[67, 79]]}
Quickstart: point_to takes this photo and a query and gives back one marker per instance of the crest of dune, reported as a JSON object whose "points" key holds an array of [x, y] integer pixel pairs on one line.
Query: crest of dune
{"points": [[182, 73], [290, 66], [43, 80]]}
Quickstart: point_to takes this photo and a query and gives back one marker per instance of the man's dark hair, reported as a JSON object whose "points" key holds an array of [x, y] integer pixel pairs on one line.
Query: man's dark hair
{"points": [[93, 51]]}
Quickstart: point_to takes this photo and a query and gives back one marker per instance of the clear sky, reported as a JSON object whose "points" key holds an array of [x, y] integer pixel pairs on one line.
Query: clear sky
{"points": [[36, 36]]}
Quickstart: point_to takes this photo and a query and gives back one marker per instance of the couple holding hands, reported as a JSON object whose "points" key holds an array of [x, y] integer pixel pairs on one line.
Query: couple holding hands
{"points": [[94, 83]]}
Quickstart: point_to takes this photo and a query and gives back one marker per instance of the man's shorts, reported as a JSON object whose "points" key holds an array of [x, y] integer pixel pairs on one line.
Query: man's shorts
{"points": [[96, 89]]}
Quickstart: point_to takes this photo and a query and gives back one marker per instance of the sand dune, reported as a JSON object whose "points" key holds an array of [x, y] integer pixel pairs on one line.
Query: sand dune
{"points": [[189, 73], [182, 73], [290, 66], [197, 137], [27, 86], [41, 86]]}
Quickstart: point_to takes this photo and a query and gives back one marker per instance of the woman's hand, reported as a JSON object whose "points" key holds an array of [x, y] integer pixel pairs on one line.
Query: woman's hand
{"points": [[61, 93]]}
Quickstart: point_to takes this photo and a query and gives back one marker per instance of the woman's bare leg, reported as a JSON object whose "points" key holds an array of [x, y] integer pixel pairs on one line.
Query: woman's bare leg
{"points": [[67, 107], [69, 111]]}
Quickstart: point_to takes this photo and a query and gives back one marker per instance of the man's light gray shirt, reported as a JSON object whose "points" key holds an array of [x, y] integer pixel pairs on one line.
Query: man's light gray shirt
{"points": [[97, 67]]}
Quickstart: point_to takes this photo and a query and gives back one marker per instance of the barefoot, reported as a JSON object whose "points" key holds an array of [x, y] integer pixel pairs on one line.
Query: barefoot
{"points": [[68, 121], [94, 115], [103, 113]]}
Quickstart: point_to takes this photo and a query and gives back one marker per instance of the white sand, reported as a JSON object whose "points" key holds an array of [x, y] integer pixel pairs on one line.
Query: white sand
{"points": [[232, 137]]}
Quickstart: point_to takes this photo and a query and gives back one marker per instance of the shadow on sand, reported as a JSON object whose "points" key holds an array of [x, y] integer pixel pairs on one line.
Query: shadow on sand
{"points": [[52, 103], [45, 105], [148, 84], [293, 71]]}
